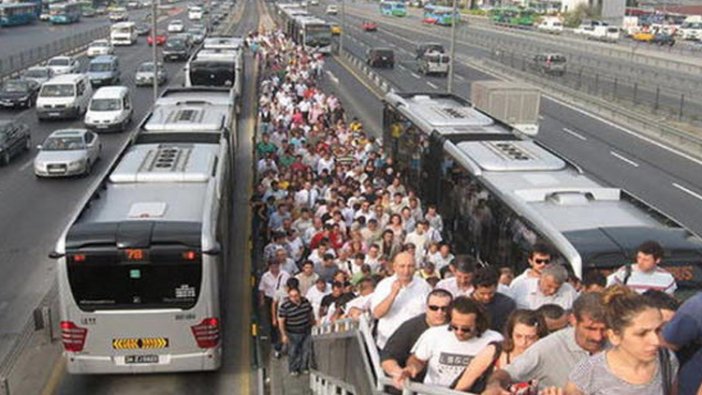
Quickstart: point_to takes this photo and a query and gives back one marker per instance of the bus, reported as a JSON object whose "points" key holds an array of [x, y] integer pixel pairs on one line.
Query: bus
{"points": [[439, 15], [513, 16], [15, 14], [499, 192], [313, 33], [287, 13], [393, 8], [217, 65], [141, 263], [64, 13]]}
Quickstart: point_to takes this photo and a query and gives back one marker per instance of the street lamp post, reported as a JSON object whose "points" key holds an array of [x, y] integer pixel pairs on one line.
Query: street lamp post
{"points": [[452, 56], [154, 50], [343, 27]]}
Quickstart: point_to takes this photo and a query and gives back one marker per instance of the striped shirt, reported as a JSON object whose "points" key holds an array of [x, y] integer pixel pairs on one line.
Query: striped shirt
{"points": [[298, 317], [658, 279]]}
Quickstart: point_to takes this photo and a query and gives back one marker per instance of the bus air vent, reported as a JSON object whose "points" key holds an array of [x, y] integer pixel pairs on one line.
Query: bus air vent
{"points": [[512, 151]]}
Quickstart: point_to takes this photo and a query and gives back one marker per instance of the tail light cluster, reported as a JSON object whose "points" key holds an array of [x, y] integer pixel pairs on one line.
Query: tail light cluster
{"points": [[207, 333], [73, 336]]}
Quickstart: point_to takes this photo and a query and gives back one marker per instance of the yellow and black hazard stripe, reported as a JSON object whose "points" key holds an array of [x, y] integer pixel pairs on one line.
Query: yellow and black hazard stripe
{"points": [[143, 343]]}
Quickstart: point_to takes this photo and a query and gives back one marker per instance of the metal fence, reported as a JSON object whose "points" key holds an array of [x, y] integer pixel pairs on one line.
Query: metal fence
{"points": [[12, 64]]}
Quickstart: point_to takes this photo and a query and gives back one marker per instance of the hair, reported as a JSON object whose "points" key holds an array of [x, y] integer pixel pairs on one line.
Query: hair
{"points": [[365, 283], [307, 262], [594, 277], [661, 300], [558, 272], [540, 248], [337, 284], [551, 311], [466, 305], [590, 305], [651, 247], [621, 306], [486, 277], [439, 293], [527, 317], [292, 282], [464, 264]]}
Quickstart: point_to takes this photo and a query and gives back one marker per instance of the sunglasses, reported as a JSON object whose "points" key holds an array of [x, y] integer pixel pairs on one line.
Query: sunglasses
{"points": [[540, 261], [436, 308], [462, 329]]}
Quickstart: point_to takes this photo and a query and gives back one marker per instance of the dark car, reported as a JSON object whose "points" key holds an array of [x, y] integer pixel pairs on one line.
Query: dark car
{"points": [[428, 47], [143, 28], [18, 93], [176, 48], [380, 57], [663, 39], [14, 139], [550, 63]]}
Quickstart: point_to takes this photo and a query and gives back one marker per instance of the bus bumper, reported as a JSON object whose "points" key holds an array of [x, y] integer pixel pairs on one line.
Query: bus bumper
{"points": [[210, 359]]}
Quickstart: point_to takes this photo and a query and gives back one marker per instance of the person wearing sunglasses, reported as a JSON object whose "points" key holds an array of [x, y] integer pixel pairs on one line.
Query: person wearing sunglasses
{"points": [[551, 288], [539, 257], [398, 349], [446, 350]]}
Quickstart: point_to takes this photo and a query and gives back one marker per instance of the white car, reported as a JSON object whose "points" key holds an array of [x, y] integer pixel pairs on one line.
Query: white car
{"points": [[38, 74], [332, 9], [67, 152], [63, 65], [176, 26], [314, 2], [100, 47]]}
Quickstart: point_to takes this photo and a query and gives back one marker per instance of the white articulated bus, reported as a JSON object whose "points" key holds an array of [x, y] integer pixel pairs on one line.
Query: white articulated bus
{"points": [[140, 266]]}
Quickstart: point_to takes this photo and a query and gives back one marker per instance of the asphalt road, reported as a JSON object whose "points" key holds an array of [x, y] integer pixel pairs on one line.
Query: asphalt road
{"points": [[665, 179]]}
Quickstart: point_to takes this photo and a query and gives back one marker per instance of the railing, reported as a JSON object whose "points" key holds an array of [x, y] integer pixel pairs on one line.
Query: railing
{"points": [[351, 340]]}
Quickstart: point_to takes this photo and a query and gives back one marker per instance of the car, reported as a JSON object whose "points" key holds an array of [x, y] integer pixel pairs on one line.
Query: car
{"points": [[67, 152], [663, 39], [335, 29], [369, 26], [176, 48], [132, 5], [88, 13], [38, 74], [176, 26], [110, 109], [100, 47], [160, 39], [145, 74], [197, 35], [63, 65], [380, 57], [104, 70], [314, 2], [332, 9], [428, 47], [143, 28], [44, 16], [14, 139], [118, 14], [434, 62], [645, 37], [550, 63], [18, 93]]}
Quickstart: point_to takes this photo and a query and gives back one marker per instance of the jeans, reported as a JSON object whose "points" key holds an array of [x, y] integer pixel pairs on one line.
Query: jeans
{"points": [[299, 350]]}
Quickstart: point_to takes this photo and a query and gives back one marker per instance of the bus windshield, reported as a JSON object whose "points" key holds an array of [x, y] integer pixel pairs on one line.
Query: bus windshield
{"points": [[212, 73], [318, 35]]}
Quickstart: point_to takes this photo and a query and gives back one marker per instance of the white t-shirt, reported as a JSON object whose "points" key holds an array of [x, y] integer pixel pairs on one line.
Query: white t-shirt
{"points": [[315, 297], [409, 302], [564, 297], [446, 356], [451, 285], [658, 279], [270, 283], [521, 286]]}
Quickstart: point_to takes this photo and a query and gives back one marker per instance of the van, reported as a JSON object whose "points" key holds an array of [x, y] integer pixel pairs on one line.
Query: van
{"points": [[434, 62], [123, 33], [551, 25], [64, 96], [109, 110], [426, 47], [550, 63], [104, 70]]}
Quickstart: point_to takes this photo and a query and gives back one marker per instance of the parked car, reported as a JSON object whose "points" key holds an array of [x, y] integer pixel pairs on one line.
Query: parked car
{"points": [[369, 26], [552, 25], [428, 47], [63, 65], [176, 26], [38, 74], [100, 47], [160, 39], [67, 152], [332, 9], [663, 39], [145, 74], [18, 93], [14, 139], [550, 63], [176, 48], [380, 57]]}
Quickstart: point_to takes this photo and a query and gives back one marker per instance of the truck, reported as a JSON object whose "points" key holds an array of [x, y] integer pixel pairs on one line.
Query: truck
{"points": [[691, 29], [513, 103]]}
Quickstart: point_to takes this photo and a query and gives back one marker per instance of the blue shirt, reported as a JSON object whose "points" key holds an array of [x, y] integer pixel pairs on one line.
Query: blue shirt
{"points": [[685, 330]]}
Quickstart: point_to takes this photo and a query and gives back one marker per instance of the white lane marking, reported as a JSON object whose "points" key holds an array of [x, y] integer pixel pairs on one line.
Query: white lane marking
{"points": [[402, 67], [574, 134], [432, 85], [459, 77], [622, 158], [26, 165], [688, 191], [332, 77], [416, 76]]}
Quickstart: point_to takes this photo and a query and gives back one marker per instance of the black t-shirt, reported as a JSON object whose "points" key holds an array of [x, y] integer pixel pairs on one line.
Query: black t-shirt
{"points": [[399, 345], [500, 308], [327, 300]]}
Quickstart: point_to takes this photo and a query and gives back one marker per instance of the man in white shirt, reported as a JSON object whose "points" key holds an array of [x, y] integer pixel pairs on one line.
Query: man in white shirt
{"points": [[316, 293], [551, 288], [271, 281], [645, 274], [419, 238], [307, 277], [461, 284], [442, 258], [398, 297], [522, 285]]}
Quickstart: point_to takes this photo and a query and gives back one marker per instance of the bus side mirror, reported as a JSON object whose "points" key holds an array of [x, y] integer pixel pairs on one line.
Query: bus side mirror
{"points": [[215, 250], [55, 255]]}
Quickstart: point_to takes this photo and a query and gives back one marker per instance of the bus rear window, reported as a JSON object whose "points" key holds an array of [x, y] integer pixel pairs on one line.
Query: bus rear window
{"points": [[135, 280]]}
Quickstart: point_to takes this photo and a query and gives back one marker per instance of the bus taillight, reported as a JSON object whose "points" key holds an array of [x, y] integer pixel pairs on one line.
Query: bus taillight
{"points": [[207, 333], [190, 255], [73, 336]]}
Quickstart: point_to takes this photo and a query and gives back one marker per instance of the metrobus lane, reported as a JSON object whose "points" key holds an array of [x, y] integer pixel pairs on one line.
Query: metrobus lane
{"points": [[665, 183], [37, 210]]}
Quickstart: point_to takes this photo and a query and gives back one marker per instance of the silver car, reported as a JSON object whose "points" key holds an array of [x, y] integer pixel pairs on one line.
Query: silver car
{"points": [[39, 74], [67, 152], [145, 74], [63, 65]]}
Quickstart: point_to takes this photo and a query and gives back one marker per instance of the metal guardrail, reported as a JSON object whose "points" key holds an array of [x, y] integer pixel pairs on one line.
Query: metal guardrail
{"points": [[13, 64]]}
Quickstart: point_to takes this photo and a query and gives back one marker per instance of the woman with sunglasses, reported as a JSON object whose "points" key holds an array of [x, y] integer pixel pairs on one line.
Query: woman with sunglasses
{"points": [[523, 328], [446, 350]]}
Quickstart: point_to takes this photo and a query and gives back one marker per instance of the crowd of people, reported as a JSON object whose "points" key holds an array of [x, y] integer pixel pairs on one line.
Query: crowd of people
{"points": [[343, 237]]}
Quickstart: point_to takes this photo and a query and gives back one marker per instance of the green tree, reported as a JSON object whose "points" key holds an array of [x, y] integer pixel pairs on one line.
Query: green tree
{"points": [[581, 12]]}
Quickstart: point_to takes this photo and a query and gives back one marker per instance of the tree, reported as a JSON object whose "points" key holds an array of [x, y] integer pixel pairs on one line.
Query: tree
{"points": [[581, 12]]}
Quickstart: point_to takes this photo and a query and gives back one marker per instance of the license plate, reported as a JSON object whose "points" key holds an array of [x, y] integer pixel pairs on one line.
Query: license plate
{"points": [[54, 114], [141, 359], [102, 126]]}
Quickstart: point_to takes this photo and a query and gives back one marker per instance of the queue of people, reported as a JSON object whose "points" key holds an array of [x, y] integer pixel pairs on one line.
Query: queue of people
{"points": [[343, 237]]}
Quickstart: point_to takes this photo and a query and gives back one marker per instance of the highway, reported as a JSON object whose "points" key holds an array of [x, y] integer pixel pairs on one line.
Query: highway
{"points": [[667, 180]]}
